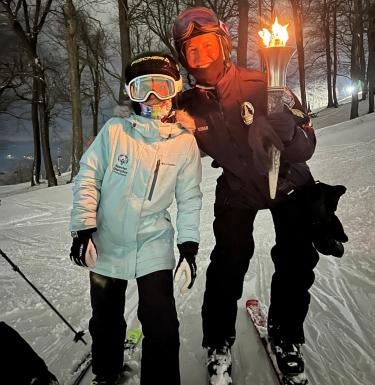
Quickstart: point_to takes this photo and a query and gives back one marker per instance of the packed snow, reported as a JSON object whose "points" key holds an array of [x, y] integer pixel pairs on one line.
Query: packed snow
{"points": [[340, 338]]}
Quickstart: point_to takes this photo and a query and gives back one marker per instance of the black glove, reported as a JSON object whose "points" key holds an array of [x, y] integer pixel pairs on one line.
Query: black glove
{"points": [[326, 229], [82, 241], [261, 136], [284, 125], [215, 164], [186, 264]]}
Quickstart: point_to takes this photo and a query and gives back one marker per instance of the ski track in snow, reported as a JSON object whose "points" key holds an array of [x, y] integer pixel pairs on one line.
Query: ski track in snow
{"points": [[340, 338]]}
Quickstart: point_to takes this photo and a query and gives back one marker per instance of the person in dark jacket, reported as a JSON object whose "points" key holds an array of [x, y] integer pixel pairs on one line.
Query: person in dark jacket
{"points": [[229, 104]]}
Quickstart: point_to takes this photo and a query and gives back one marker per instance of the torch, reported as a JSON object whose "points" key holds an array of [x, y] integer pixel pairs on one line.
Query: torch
{"points": [[276, 57]]}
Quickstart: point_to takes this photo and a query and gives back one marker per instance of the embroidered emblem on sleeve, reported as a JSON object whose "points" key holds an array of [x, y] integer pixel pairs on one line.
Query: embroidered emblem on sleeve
{"points": [[247, 113]]}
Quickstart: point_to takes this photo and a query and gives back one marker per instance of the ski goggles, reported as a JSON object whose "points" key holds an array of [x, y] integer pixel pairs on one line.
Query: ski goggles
{"points": [[162, 86], [201, 18]]}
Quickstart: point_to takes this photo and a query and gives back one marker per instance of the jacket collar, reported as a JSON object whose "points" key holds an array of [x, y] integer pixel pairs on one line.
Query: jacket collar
{"points": [[226, 81], [151, 128], [155, 128]]}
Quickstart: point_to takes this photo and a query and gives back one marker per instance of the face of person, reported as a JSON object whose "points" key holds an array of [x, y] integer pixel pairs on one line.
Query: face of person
{"points": [[152, 100], [154, 108], [202, 50]]}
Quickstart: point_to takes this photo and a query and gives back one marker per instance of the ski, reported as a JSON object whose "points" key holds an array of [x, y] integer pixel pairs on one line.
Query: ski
{"points": [[258, 315], [133, 337], [82, 368]]}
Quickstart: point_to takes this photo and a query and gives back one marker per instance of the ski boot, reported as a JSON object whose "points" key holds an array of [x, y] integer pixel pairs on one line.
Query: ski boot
{"points": [[289, 358], [288, 355], [219, 365]]}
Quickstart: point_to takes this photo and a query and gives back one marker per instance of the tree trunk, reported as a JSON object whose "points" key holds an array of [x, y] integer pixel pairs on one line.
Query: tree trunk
{"points": [[335, 56], [44, 125], [27, 32], [95, 103], [260, 26], [362, 59], [243, 7], [96, 79], [298, 30], [124, 44], [71, 26], [35, 171], [371, 56], [327, 38], [355, 61]]}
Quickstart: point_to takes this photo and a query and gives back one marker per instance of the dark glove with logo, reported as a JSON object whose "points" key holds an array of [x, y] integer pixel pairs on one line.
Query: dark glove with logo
{"points": [[327, 231], [186, 265], [83, 250], [284, 125], [261, 136]]}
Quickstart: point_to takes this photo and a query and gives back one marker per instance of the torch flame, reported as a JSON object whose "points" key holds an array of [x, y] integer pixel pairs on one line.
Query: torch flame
{"points": [[277, 38]]}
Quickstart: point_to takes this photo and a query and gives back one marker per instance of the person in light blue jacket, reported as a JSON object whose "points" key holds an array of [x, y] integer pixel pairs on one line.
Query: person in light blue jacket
{"points": [[121, 226]]}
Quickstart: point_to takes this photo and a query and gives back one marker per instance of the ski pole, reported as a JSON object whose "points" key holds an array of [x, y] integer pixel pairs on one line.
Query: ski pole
{"points": [[78, 335]]}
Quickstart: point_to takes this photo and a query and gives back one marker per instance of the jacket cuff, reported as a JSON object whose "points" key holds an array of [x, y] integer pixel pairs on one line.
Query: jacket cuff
{"points": [[188, 248], [83, 234]]}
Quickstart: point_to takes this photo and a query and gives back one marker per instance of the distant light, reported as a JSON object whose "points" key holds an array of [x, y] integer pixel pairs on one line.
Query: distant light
{"points": [[349, 89]]}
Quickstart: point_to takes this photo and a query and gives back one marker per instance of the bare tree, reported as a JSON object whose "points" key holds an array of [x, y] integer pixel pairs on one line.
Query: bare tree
{"points": [[94, 40], [243, 7], [298, 30], [124, 23], [27, 22], [159, 19], [362, 59], [13, 72], [335, 54], [355, 68], [371, 54], [326, 18], [71, 37]]}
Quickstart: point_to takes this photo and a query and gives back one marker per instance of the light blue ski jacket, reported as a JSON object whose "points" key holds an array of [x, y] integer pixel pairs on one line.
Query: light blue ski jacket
{"points": [[127, 180]]}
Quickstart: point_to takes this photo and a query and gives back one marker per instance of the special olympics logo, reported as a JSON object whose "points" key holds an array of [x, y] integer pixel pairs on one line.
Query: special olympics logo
{"points": [[123, 159]]}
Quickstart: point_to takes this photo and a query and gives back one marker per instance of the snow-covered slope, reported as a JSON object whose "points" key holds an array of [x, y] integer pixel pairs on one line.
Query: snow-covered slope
{"points": [[340, 336]]}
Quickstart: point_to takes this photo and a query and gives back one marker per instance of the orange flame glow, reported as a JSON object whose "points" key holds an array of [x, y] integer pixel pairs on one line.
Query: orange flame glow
{"points": [[277, 38]]}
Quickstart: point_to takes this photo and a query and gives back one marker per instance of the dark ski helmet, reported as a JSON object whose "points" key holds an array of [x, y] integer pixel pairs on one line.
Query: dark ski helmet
{"points": [[198, 21], [152, 63], [148, 70]]}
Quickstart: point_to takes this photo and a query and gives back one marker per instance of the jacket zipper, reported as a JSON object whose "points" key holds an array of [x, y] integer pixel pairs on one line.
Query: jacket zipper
{"points": [[156, 172]]}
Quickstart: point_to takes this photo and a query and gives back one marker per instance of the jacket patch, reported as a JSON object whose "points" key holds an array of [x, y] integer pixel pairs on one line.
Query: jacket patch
{"points": [[247, 113], [202, 128], [121, 166]]}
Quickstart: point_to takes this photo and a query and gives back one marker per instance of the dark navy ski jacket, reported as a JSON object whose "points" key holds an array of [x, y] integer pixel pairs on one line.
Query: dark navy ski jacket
{"points": [[223, 135]]}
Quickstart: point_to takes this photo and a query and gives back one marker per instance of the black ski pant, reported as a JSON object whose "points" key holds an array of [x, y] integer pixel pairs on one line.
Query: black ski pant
{"points": [[294, 259], [158, 316]]}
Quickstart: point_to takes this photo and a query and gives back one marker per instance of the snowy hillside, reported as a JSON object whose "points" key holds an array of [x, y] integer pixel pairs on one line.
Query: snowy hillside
{"points": [[340, 336]]}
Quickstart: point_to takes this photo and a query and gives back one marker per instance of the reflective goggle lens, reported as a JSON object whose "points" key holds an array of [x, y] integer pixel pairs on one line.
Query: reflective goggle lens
{"points": [[201, 17], [141, 87]]}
